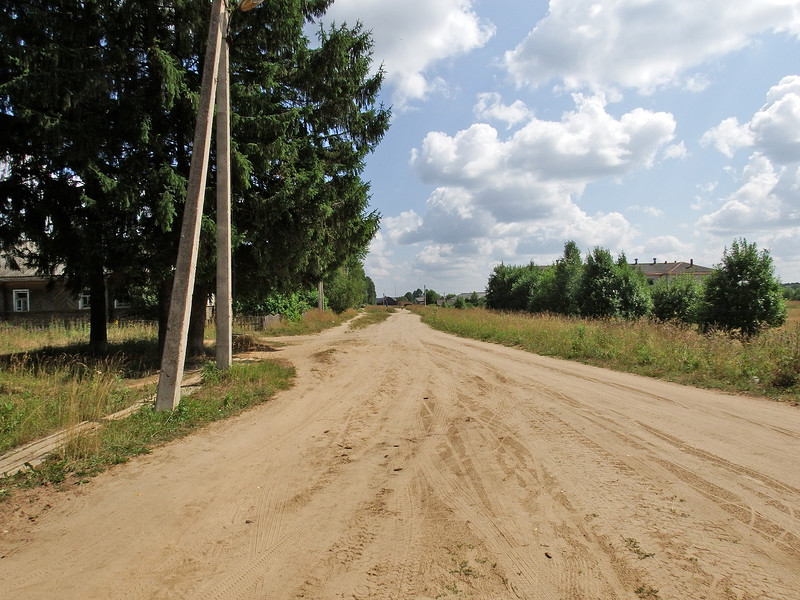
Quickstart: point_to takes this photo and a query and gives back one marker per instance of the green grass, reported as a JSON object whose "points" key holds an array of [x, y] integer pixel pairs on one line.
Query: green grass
{"points": [[224, 393], [37, 399], [372, 315], [313, 321], [767, 365], [793, 319], [49, 381]]}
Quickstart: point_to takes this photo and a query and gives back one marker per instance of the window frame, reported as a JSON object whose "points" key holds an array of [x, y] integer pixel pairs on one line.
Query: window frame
{"points": [[85, 300], [18, 295]]}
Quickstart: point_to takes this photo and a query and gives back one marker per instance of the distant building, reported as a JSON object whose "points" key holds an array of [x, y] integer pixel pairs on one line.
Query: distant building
{"points": [[656, 270], [29, 296]]}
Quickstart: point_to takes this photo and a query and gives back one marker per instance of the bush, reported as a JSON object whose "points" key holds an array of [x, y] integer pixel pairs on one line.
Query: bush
{"points": [[609, 289], [742, 294], [290, 306], [676, 299]]}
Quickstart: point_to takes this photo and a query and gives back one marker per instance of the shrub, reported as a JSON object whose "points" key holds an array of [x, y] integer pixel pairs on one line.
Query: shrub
{"points": [[742, 294], [676, 298]]}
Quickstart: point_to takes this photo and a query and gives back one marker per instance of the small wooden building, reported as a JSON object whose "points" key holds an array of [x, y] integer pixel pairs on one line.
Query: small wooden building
{"points": [[26, 295]]}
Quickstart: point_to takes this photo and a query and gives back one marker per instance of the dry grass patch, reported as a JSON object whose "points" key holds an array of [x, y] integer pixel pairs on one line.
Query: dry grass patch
{"points": [[768, 364]]}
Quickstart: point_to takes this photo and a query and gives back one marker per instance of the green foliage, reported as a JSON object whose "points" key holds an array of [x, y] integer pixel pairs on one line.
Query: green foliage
{"points": [[291, 306], [743, 294], [510, 287], [634, 292], [97, 107], [600, 288], [347, 287], [431, 297], [677, 298], [372, 296], [599, 292], [562, 293], [791, 291]]}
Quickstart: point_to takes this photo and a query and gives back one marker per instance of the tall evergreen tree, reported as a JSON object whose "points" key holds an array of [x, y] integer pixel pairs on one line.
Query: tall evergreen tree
{"points": [[98, 99]]}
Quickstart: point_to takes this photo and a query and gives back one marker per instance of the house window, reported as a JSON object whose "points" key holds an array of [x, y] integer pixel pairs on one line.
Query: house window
{"points": [[22, 300], [85, 300], [122, 303]]}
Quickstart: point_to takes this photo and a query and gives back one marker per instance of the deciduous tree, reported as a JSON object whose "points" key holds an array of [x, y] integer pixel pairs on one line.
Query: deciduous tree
{"points": [[742, 293]]}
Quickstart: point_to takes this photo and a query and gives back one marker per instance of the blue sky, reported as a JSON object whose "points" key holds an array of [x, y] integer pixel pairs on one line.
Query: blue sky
{"points": [[656, 128]]}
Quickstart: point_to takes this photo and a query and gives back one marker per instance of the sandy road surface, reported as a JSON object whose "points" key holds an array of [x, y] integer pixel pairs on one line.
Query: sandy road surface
{"points": [[407, 463]]}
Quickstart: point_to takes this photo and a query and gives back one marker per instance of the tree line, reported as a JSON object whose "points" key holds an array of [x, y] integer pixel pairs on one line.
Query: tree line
{"points": [[97, 107], [741, 294]]}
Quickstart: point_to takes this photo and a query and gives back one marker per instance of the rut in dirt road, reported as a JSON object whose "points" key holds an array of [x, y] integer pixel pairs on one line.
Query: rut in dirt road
{"points": [[407, 463]]}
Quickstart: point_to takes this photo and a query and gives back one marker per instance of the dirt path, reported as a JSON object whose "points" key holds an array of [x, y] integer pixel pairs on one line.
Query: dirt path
{"points": [[407, 463]]}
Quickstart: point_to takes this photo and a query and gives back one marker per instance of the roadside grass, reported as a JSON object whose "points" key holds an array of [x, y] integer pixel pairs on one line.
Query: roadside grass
{"points": [[372, 315], [767, 365], [38, 397], [223, 394], [49, 381], [313, 321], [60, 383]]}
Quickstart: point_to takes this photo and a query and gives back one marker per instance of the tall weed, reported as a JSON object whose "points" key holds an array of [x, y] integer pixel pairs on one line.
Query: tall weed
{"points": [[767, 364]]}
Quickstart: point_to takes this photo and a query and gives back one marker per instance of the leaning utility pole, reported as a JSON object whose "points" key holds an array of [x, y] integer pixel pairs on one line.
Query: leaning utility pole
{"points": [[172, 360]]}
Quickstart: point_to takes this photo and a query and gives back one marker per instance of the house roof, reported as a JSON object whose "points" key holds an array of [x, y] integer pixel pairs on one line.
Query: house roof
{"points": [[16, 268], [663, 269]]}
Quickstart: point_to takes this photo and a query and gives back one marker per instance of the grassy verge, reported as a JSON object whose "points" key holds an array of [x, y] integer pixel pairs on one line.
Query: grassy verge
{"points": [[224, 393], [49, 381], [313, 321], [39, 398], [768, 365], [372, 315]]}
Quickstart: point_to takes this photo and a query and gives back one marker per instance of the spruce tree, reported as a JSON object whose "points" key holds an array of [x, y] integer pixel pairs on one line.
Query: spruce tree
{"points": [[98, 101]]}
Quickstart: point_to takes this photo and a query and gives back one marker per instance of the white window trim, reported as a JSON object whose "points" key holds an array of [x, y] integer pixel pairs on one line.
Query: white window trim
{"points": [[84, 300], [19, 295]]}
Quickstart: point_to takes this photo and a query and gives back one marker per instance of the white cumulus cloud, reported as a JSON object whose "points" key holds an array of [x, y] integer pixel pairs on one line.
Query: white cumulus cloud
{"points": [[586, 144], [490, 107], [766, 202], [523, 188], [641, 45], [410, 36]]}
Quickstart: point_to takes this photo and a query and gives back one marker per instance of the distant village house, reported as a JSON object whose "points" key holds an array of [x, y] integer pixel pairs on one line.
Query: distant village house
{"points": [[27, 295]]}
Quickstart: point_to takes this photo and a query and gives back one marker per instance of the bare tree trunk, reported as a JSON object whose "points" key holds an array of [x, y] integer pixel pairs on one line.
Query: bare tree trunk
{"points": [[164, 291], [197, 324], [98, 327]]}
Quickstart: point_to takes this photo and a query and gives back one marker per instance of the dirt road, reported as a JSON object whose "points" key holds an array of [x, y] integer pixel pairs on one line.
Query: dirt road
{"points": [[406, 463]]}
